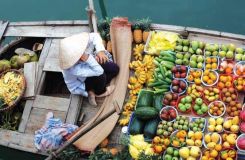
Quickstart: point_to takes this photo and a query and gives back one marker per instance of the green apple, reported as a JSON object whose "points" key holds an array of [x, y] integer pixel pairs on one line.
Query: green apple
{"points": [[199, 101], [224, 47], [179, 55], [194, 45], [201, 45], [216, 47], [239, 50], [231, 47], [178, 48], [222, 54], [178, 61], [215, 53], [193, 64], [194, 58], [185, 48], [191, 50], [185, 61], [243, 57], [188, 99], [229, 54], [238, 57], [187, 55], [199, 58], [207, 53], [170, 150], [199, 51], [186, 42], [199, 65], [179, 41]]}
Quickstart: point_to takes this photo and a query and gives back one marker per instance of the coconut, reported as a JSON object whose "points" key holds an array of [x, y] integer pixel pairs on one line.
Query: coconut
{"points": [[22, 59], [13, 62], [4, 65], [34, 58]]}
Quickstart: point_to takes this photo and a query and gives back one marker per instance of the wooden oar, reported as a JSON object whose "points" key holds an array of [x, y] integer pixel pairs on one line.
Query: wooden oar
{"points": [[75, 138]]}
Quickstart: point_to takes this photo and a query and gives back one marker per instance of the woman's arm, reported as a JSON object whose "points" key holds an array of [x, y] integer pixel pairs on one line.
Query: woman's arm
{"points": [[89, 68]]}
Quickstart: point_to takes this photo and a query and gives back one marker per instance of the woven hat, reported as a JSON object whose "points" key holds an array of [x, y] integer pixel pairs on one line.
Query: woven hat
{"points": [[72, 48]]}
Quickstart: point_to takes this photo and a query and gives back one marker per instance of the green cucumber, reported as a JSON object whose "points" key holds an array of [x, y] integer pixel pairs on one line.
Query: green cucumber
{"points": [[157, 83], [169, 59]]}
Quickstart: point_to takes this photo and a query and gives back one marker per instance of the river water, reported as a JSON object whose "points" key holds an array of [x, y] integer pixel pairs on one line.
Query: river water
{"points": [[222, 15]]}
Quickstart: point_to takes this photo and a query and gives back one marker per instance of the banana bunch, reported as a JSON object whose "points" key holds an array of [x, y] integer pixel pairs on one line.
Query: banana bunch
{"points": [[143, 73], [138, 50]]}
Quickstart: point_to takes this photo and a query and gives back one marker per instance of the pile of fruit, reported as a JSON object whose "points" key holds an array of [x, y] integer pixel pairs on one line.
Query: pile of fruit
{"points": [[12, 85], [200, 85]]}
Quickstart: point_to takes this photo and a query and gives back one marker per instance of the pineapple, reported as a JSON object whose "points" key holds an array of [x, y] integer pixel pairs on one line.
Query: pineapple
{"points": [[108, 45], [146, 26], [137, 32]]}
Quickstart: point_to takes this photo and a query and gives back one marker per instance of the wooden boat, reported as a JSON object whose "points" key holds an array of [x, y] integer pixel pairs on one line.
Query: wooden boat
{"points": [[49, 97]]}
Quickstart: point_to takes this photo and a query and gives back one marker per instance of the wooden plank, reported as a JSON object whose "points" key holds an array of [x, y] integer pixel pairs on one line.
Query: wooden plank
{"points": [[30, 76], [51, 23], [25, 115], [45, 31], [179, 29], [17, 140], [52, 61], [74, 109], [233, 36], [3, 27], [215, 39], [52, 103], [41, 62], [38, 116], [203, 31]]}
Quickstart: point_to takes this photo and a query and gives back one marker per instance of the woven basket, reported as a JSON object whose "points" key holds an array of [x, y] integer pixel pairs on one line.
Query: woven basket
{"points": [[22, 92]]}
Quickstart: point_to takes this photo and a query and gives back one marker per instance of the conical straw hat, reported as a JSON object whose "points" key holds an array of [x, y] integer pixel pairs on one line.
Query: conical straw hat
{"points": [[72, 48]]}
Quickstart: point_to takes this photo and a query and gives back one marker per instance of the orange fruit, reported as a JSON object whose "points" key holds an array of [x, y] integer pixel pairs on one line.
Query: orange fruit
{"points": [[218, 147], [199, 73], [156, 139], [214, 60], [214, 65], [166, 142], [195, 75], [210, 81], [197, 81], [208, 60], [206, 72], [190, 78], [213, 77], [229, 78], [208, 66], [213, 153], [221, 85], [228, 70], [223, 78], [228, 84], [158, 149], [205, 78]]}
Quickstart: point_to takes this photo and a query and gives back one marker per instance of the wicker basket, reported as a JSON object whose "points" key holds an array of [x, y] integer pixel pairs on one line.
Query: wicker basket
{"points": [[22, 92]]}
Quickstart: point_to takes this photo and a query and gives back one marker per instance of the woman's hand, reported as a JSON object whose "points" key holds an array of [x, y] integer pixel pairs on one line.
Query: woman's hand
{"points": [[84, 57], [101, 57]]}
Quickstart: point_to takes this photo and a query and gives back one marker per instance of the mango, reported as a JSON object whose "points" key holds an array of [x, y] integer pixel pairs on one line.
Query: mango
{"points": [[235, 120], [215, 138], [234, 128], [228, 124], [211, 145], [207, 138]]}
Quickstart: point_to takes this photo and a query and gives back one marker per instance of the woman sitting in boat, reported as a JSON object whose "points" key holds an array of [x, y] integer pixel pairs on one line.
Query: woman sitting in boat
{"points": [[86, 72]]}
